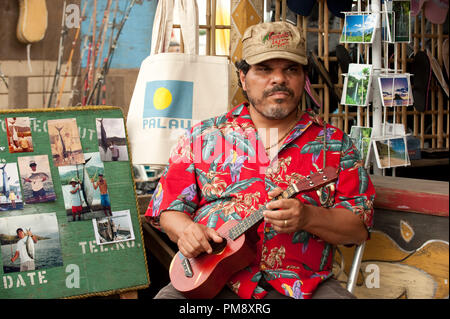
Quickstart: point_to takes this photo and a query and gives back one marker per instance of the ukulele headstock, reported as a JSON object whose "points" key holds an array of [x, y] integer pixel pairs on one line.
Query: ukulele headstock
{"points": [[317, 179]]}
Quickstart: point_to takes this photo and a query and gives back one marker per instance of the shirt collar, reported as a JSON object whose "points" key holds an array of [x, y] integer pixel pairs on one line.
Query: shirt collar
{"points": [[241, 116]]}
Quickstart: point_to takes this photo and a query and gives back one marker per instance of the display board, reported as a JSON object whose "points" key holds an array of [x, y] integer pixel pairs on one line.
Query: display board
{"points": [[69, 222]]}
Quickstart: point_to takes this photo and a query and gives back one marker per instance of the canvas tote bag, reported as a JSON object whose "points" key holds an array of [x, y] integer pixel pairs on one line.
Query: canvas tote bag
{"points": [[174, 91]]}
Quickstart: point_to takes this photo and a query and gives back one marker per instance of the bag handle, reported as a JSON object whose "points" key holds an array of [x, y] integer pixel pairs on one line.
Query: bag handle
{"points": [[163, 25]]}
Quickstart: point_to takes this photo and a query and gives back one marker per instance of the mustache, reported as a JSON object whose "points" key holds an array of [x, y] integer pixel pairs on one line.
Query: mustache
{"points": [[278, 88]]}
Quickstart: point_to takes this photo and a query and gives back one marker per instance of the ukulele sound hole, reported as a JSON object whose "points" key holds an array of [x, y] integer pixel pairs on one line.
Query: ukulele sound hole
{"points": [[218, 247]]}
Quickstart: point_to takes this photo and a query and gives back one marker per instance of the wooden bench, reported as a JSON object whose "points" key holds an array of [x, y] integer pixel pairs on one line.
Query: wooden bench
{"points": [[408, 250]]}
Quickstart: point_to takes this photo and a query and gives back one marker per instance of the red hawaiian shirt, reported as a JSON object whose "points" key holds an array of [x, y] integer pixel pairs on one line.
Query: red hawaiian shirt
{"points": [[220, 171]]}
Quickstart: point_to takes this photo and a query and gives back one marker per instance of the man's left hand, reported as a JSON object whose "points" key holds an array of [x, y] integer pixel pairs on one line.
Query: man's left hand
{"points": [[287, 215]]}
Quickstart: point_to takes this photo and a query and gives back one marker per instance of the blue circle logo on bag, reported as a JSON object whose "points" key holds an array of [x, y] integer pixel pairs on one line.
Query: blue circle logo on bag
{"points": [[168, 99]]}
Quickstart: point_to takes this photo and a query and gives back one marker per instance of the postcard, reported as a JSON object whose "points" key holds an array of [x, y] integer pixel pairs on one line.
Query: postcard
{"points": [[395, 90], [357, 85], [391, 151], [401, 10], [114, 229], [361, 137], [387, 27], [393, 129], [359, 28]]}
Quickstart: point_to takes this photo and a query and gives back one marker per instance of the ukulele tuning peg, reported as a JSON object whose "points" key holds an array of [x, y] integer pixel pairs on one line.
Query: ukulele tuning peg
{"points": [[324, 177], [311, 183]]}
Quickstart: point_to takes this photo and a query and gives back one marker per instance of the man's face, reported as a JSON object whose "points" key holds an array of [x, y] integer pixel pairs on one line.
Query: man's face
{"points": [[274, 87], [20, 234], [33, 167]]}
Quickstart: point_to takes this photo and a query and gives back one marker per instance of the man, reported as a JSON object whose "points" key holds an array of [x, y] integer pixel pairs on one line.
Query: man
{"points": [[75, 196], [114, 151], [26, 260], [37, 180], [104, 196], [228, 167]]}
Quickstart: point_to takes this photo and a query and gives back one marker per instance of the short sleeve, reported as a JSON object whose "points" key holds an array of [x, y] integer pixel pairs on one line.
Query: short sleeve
{"points": [[177, 188], [354, 189]]}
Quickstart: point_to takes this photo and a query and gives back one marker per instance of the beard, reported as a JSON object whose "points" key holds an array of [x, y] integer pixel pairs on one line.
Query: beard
{"points": [[277, 110]]}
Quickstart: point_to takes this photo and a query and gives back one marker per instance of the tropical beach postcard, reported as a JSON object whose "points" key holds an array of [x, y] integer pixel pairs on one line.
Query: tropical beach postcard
{"points": [[112, 141], [65, 142], [36, 178], [81, 192], [361, 137], [391, 151], [18, 131], [30, 242], [401, 10], [395, 90], [357, 84], [114, 229], [359, 28], [10, 192]]}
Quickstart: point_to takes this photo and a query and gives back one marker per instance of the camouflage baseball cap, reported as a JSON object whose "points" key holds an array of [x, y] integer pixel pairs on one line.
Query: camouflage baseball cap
{"points": [[273, 40]]}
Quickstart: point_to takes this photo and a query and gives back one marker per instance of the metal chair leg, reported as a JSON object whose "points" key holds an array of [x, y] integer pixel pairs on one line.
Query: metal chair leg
{"points": [[354, 270]]}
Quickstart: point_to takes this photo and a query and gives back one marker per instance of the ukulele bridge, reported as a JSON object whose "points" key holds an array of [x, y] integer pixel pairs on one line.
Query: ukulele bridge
{"points": [[187, 268]]}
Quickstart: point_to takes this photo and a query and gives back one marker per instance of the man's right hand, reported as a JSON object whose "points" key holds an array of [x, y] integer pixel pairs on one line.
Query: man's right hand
{"points": [[192, 238], [195, 238]]}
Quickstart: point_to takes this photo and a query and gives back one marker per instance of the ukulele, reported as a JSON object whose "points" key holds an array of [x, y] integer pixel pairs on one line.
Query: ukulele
{"points": [[204, 276]]}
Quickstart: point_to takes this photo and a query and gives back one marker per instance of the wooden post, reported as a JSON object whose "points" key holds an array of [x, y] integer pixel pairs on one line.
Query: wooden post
{"points": [[133, 294], [326, 100], [18, 92]]}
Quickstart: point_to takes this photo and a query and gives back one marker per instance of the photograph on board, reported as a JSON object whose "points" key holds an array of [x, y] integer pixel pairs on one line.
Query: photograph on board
{"points": [[358, 28], [18, 131], [85, 189], [37, 183], [11, 194], [112, 141], [402, 20], [65, 142], [395, 90], [361, 138], [357, 84], [391, 152], [114, 229], [30, 242]]}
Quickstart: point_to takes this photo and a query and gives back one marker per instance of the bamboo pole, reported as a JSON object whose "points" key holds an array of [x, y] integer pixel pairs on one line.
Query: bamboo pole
{"points": [[433, 91], [326, 99], [440, 124], [213, 26], [422, 114], [320, 53]]}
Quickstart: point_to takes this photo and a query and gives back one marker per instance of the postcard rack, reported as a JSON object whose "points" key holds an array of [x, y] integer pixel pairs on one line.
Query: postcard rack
{"points": [[373, 81]]}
